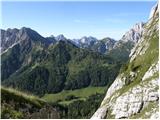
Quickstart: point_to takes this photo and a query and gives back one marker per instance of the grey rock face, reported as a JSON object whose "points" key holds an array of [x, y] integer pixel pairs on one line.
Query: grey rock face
{"points": [[100, 113], [85, 42], [135, 99], [60, 37], [104, 45], [11, 37], [123, 47], [109, 43], [134, 34], [91, 43], [8, 38], [153, 11], [117, 84], [151, 71]]}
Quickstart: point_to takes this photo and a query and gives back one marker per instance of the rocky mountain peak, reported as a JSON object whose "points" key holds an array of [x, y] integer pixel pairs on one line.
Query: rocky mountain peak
{"points": [[109, 43], [11, 37], [138, 27], [60, 37], [14, 30], [134, 34], [52, 36], [107, 39], [88, 39], [25, 30], [154, 11], [24, 33]]}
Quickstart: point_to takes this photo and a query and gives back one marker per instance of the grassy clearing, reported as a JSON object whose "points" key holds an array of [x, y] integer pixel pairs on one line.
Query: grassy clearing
{"points": [[80, 93], [66, 103], [8, 94]]}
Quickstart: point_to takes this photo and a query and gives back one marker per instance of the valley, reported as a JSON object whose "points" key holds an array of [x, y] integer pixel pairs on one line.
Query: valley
{"points": [[61, 73], [56, 77]]}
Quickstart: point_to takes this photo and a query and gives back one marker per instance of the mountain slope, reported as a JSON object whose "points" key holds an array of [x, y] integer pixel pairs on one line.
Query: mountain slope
{"points": [[121, 51], [18, 50], [18, 105], [103, 46], [11, 37], [60, 66], [134, 93], [122, 48]]}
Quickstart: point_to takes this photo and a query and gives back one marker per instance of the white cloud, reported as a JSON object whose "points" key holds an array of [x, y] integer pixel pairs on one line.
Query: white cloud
{"points": [[80, 21]]}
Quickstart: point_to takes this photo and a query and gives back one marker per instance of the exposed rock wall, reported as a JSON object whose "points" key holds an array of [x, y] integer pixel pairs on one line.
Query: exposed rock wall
{"points": [[134, 93], [134, 34]]}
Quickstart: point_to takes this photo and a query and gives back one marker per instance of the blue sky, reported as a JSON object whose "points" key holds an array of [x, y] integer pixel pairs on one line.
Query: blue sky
{"points": [[76, 19]]}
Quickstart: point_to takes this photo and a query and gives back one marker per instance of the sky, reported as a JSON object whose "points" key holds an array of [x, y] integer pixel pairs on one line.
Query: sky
{"points": [[76, 19]]}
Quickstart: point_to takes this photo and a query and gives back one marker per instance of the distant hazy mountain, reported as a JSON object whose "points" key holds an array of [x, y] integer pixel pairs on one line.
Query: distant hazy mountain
{"points": [[11, 37], [60, 37], [85, 42], [94, 44]]}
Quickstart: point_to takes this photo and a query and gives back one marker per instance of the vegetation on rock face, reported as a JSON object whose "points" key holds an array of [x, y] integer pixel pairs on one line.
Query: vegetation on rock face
{"points": [[147, 111], [134, 95], [144, 61]]}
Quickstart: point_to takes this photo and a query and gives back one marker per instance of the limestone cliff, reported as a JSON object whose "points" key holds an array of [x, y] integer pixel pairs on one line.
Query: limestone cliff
{"points": [[134, 93], [134, 34]]}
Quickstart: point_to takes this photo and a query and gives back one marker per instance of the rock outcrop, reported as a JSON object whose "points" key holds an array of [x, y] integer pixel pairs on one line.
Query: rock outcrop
{"points": [[102, 46], [154, 11], [134, 34], [122, 48], [60, 37], [11, 37], [134, 93]]}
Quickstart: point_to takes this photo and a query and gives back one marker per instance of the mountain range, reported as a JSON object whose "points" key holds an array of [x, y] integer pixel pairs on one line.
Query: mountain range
{"points": [[12, 36], [65, 74], [26, 53]]}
